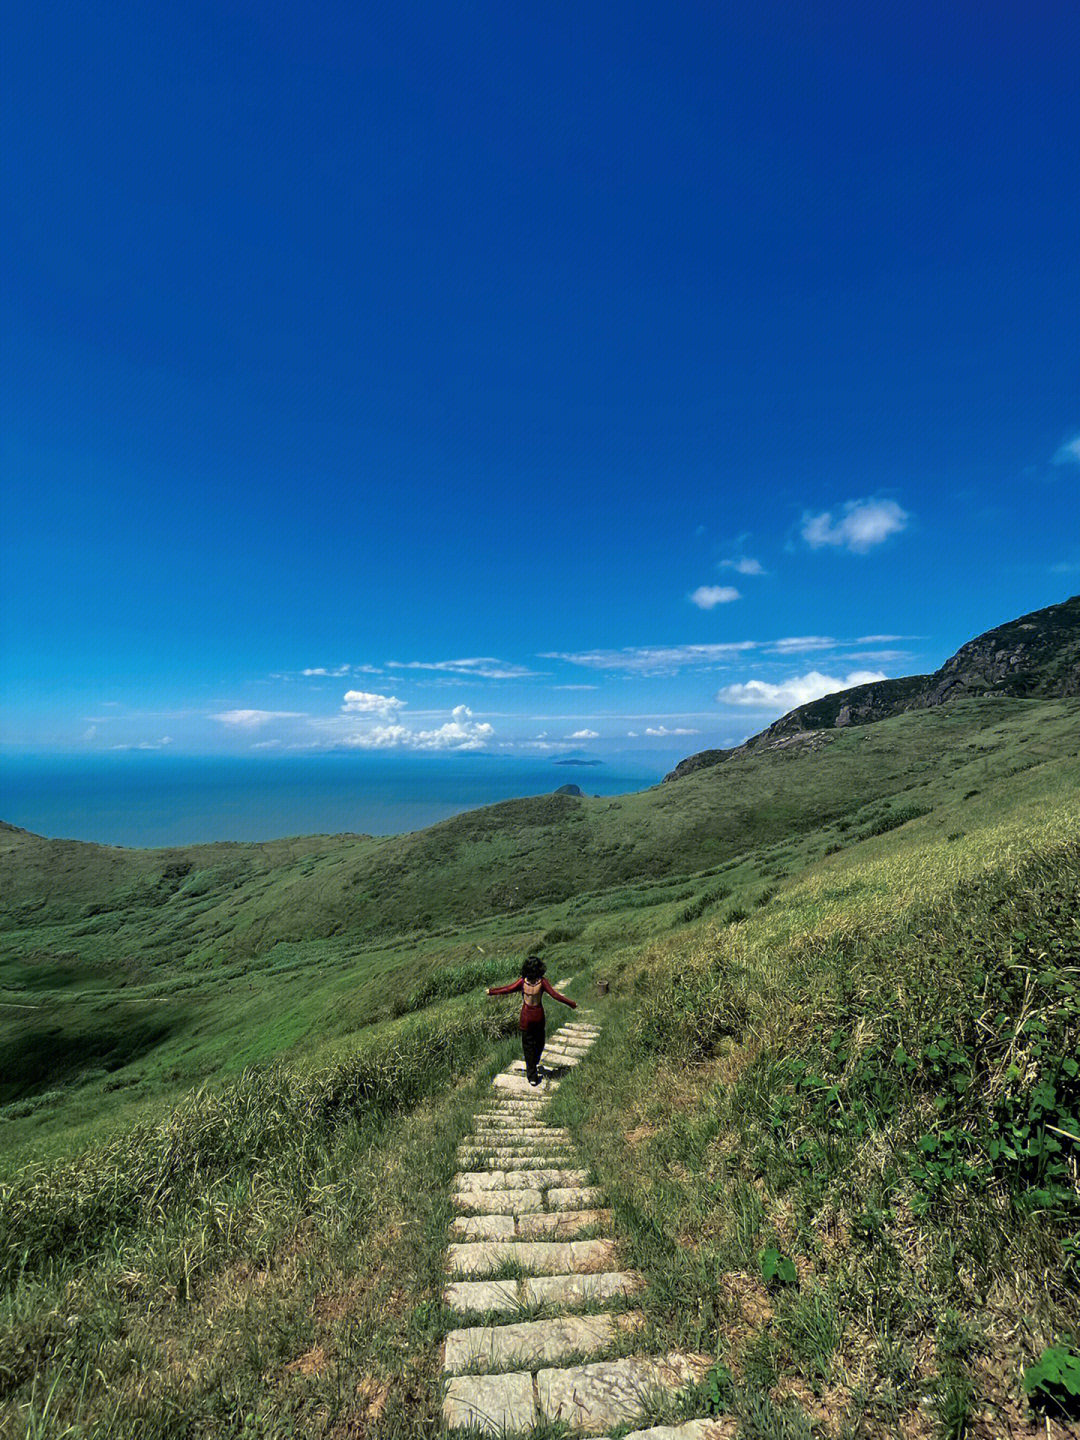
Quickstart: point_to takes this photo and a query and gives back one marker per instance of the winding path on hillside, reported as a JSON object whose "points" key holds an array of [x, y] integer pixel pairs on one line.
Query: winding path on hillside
{"points": [[547, 1313]]}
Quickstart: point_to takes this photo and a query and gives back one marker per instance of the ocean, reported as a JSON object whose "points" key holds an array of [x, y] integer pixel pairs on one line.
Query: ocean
{"points": [[150, 798]]}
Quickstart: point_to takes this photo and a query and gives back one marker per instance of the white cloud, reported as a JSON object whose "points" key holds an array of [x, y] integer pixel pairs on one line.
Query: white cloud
{"points": [[89, 732], [484, 667], [575, 687], [460, 732], [322, 670], [654, 659], [663, 730], [146, 744], [707, 597], [745, 565], [265, 744], [252, 719], [795, 644], [1069, 453], [364, 702], [584, 735], [862, 525], [631, 734], [799, 690]]}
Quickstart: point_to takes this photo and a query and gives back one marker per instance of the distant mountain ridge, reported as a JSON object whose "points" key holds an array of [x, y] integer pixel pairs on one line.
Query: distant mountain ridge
{"points": [[1034, 657]]}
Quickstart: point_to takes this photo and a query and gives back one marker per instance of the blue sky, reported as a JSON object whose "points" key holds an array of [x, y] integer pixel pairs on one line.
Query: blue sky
{"points": [[427, 378]]}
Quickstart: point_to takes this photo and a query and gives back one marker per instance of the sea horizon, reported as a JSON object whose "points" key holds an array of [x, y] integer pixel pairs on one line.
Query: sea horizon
{"points": [[154, 800]]}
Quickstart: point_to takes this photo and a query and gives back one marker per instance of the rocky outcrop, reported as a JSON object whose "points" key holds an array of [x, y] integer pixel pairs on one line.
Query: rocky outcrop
{"points": [[1036, 656]]}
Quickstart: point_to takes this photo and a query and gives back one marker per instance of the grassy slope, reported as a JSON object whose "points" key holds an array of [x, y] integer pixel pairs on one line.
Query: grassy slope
{"points": [[126, 976], [276, 1289], [875, 1075]]}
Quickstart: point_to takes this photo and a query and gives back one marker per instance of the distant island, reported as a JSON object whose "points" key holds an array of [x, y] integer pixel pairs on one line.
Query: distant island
{"points": [[577, 762]]}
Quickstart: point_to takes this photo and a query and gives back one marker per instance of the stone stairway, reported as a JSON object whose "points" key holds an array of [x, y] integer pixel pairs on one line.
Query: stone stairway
{"points": [[547, 1312]]}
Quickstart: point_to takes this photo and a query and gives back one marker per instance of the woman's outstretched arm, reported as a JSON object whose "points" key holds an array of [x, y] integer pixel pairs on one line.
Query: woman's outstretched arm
{"points": [[556, 996], [506, 989]]}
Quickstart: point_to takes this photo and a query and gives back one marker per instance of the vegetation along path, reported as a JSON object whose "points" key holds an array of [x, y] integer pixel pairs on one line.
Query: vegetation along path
{"points": [[549, 1333]]}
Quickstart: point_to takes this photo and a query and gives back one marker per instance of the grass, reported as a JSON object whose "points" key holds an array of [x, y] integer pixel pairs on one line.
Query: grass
{"points": [[889, 1045], [843, 1012]]}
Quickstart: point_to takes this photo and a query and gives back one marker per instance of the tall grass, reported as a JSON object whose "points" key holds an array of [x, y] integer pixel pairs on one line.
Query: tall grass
{"points": [[877, 1077], [209, 1149]]}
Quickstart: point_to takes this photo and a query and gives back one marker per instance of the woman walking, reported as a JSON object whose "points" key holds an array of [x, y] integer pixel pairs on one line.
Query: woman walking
{"points": [[533, 986]]}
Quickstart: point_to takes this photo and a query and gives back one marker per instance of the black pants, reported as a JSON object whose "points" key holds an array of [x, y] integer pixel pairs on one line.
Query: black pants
{"points": [[532, 1045]]}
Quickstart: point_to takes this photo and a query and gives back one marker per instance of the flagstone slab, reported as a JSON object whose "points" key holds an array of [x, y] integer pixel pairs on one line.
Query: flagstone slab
{"points": [[580, 1289], [608, 1393], [534, 1342], [536, 1257], [518, 1179], [484, 1227], [492, 1404], [690, 1430], [481, 1296], [518, 1085], [528, 1150], [499, 1202], [561, 1223], [483, 1159], [574, 1197], [500, 1138]]}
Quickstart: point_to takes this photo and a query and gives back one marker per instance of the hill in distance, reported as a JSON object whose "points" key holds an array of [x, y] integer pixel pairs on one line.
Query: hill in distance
{"points": [[1037, 655]]}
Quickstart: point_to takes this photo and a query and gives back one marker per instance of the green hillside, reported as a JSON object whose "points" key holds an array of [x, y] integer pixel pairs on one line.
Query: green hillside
{"points": [[844, 979], [131, 974]]}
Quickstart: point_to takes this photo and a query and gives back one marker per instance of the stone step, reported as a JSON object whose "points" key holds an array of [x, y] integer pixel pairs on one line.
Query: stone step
{"points": [[574, 1197], [561, 1224], [608, 1393], [479, 1297], [486, 1160], [516, 1122], [494, 1144], [519, 1179], [498, 1202], [499, 1134], [489, 1140], [574, 1290], [483, 1159], [535, 1257], [557, 1224], [518, 1085], [531, 1343], [721, 1429], [484, 1227], [525, 1202], [527, 1111], [564, 1292], [490, 1404], [514, 1139]]}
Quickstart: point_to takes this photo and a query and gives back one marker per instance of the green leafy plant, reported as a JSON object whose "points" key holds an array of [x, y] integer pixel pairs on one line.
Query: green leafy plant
{"points": [[719, 1390], [1053, 1382], [777, 1268]]}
